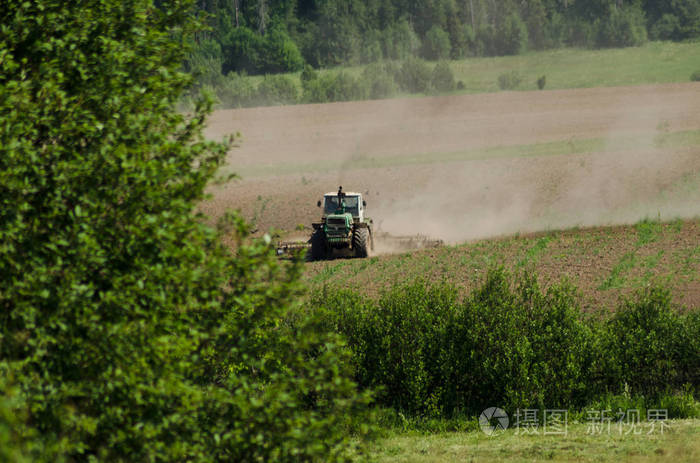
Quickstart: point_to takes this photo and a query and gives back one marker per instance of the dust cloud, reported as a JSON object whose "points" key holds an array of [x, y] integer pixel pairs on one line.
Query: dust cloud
{"points": [[586, 157], [614, 185]]}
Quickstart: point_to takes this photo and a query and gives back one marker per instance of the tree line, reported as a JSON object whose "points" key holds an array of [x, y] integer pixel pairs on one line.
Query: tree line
{"points": [[271, 36]]}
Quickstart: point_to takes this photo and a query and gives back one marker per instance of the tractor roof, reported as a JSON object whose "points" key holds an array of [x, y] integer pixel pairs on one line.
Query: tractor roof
{"points": [[347, 193]]}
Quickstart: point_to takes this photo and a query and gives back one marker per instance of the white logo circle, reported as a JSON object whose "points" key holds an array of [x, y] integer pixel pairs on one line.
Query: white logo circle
{"points": [[493, 421]]}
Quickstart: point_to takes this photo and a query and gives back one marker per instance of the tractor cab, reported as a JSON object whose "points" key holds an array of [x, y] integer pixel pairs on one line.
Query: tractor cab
{"points": [[344, 203]]}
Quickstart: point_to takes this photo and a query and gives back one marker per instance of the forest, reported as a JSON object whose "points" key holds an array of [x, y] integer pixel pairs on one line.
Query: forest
{"points": [[272, 36]]}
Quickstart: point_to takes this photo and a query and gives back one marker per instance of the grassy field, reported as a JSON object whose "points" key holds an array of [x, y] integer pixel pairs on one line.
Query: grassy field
{"points": [[655, 62], [679, 443], [652, 63]]}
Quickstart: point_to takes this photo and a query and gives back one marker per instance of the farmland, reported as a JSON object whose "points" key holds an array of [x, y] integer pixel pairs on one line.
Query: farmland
{"points": [[514, 166], [598, 187]]}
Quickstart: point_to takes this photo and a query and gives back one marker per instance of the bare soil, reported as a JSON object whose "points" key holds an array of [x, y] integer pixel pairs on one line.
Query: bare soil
{"points": [[290, 156]]}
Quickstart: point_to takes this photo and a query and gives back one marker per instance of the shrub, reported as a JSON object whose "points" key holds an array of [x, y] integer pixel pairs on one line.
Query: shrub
{"points": [[308, 74], [695, 76], [541, 82], [345, 87], [396, 342], [235, 91], [130, 331], [316, 90], [520, 347], [645, 341], [509, 81], [414, 76], [513, 344], [442, 80], [429, 354], [378, 78], [19, 442], [277, 90], [436, 44], [333, 87]]}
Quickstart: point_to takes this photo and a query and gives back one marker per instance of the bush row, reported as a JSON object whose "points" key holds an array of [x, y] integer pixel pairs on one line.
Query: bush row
{"points": [[378, 80], [429, 353]]}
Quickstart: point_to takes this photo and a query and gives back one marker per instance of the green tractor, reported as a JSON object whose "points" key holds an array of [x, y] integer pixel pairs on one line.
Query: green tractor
{"points": [[343, 229]]}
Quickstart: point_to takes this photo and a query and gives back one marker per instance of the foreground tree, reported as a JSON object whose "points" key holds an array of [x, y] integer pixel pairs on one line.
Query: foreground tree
{"points": [[128, 331]]}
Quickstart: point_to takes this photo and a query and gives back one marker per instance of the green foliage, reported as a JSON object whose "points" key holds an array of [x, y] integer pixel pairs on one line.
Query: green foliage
{"points": [[131, 333], [443, 79], [428, 353], [235, 91], [580, 34], [623, 27], [414, 76], [397, 342], [260, 36], [695, 76], [509, 80], [463, 42], [668, 27], [332, 87], [308, 74], [277, 90], [400, 41], [379, 79], [648, 345], [688, 12], [281, 54], [246, 51], [436, 45], [541, 82], [19, 442], [371, 50], [511, 37]]}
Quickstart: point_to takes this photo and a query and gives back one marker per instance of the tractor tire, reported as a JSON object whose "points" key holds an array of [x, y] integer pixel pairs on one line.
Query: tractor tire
{"points": [[359, 242], [318, 247]]}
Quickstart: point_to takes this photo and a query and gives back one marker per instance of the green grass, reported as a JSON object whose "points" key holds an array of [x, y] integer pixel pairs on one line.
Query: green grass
{"points": [[617, 277], [652, 63], [680, 443]]}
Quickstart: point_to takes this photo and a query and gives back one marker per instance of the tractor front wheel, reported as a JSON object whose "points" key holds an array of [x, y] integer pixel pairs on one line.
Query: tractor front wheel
{"points": [[359, 242]]}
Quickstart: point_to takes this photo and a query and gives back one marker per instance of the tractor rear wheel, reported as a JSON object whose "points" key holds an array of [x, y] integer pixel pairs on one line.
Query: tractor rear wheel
{"points": [[359, 242], [318, 246]]}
